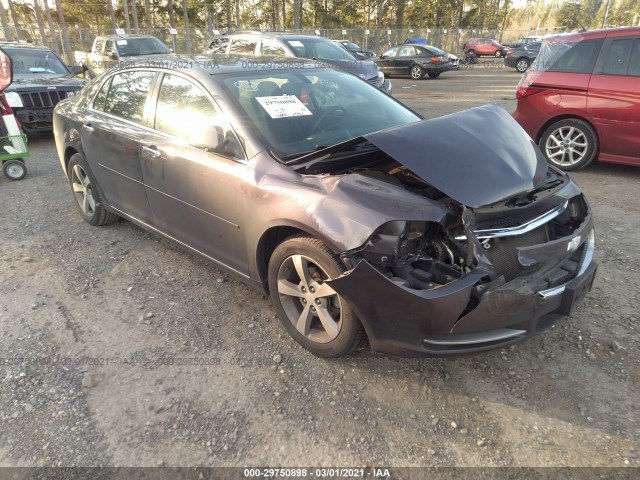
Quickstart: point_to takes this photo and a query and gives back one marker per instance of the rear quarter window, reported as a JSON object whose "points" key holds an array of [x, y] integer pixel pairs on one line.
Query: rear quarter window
{"points": [[579, 57]]}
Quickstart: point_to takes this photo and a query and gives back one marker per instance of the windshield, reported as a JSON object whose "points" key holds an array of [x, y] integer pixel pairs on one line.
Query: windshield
{"points": [[318, 48], [299, 111], [36, 61], [130, 47]]}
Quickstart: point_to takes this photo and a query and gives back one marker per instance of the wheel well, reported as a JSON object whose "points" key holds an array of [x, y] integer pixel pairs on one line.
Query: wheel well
{"points": [[564, 117], [68, 153], [267, 244]]}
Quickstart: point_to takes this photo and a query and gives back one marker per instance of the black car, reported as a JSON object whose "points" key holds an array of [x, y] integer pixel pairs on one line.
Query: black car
{"points": [[355, 214], [522, 57], [303, 46], [414, 60], [355, 49], [40, 81]]}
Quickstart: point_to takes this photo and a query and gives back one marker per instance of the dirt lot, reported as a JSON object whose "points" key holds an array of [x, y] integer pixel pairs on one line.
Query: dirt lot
{"points": [[100, 328]]}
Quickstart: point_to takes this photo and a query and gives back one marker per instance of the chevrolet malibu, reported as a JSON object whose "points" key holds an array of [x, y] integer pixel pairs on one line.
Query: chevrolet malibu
{"points": [[356, 215]]}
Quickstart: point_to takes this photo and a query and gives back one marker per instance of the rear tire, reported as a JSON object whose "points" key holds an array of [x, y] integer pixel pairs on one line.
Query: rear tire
{"points": [[311, 311], [86, 193], [522, 64], [434, 74], [569, 144], [14, 169]]}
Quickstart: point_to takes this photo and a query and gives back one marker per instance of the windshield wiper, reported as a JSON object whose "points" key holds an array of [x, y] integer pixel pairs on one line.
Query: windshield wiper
{"points": [[293, 156]]}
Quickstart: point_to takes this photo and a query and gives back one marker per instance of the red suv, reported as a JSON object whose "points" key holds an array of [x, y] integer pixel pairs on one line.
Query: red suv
{"points": [[484, 46], [580, 100]]}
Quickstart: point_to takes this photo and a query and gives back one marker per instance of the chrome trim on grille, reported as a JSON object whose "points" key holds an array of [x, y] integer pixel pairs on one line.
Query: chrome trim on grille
{"points": [[520, 229], [588, 257]]}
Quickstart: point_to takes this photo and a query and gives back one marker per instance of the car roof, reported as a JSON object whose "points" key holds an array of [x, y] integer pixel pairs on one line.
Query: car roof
{"points": [[217, 64], [601, 33], [133, 35], [287, 35], [30, 46]]}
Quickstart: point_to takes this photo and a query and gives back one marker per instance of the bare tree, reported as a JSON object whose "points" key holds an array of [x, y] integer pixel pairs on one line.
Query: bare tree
{"points": [[172, 20], [134, 12], [228, 9], [14, 17], [125, 3], [5, 24], [36, 8], [147, 14], [297, 14], [238, 14], [66, 44], [112, 14], [185, 14], [52, 30]]}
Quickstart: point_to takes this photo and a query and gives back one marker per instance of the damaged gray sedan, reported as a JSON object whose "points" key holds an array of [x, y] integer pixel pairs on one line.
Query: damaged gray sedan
{"points": [[357, 216]]}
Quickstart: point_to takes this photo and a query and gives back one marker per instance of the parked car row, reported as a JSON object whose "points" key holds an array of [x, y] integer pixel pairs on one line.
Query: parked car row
{"points": [[301, 46]]}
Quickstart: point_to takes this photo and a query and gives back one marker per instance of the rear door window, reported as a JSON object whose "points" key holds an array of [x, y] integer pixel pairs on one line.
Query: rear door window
{"points": [[616, 59], [219, 45], [407, 52], [128, 94], [271, 46], [634, 63]]}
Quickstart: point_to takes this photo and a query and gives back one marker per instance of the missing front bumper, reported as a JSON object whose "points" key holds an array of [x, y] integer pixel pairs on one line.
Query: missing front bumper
{"points": [[403, 321]]}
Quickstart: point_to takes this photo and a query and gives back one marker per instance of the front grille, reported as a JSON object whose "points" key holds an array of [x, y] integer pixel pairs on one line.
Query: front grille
{"points": [[503, 252], [43, 99]]}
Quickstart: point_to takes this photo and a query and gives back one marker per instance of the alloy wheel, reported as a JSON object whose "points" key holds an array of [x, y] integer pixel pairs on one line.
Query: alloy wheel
{"points": [[82, 190], [522, 65], [566, 146], [311, 305]]}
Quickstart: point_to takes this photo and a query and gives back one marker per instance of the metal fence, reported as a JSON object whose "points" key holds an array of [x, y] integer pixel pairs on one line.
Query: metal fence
{"points": [[81, 38]]}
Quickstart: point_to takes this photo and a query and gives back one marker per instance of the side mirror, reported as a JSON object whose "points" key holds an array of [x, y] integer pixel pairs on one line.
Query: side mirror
{"points": [[6, 70], [76, 70], [229, 147], [113, 55]]}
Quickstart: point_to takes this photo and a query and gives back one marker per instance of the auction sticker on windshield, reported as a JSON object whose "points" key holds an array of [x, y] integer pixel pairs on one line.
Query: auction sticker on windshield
{"points": [[283, 106]]}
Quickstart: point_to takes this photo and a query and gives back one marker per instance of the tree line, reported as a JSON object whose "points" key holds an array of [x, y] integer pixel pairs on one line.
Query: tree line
{"points": [[50, 24]]}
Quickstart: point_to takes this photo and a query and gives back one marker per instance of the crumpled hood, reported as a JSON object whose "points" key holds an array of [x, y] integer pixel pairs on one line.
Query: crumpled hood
{"points": [[477, 157]]}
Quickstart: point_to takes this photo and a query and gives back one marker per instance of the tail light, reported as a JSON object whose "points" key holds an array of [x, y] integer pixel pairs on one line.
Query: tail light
{"points": [[526, 90], [435, 59], [509, 53]]}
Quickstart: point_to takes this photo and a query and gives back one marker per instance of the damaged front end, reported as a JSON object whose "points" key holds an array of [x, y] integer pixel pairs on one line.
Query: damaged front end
{"points": [[502, 265], [474, 285]]}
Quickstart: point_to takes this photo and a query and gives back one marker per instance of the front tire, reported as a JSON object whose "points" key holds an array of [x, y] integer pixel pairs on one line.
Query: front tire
{"points": [[569, 144], [14, 169], [498, 54], [309, 309], [86, 193], [522, 65], [434, 74], [416, 72]]}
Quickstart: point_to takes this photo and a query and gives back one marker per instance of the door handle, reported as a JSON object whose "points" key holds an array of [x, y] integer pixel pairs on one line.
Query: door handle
{"points": [[152, 151], [87, 128]]}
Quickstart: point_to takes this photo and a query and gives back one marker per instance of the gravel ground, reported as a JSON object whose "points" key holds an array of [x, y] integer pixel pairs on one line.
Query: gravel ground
{"points": [[118, 348]]}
